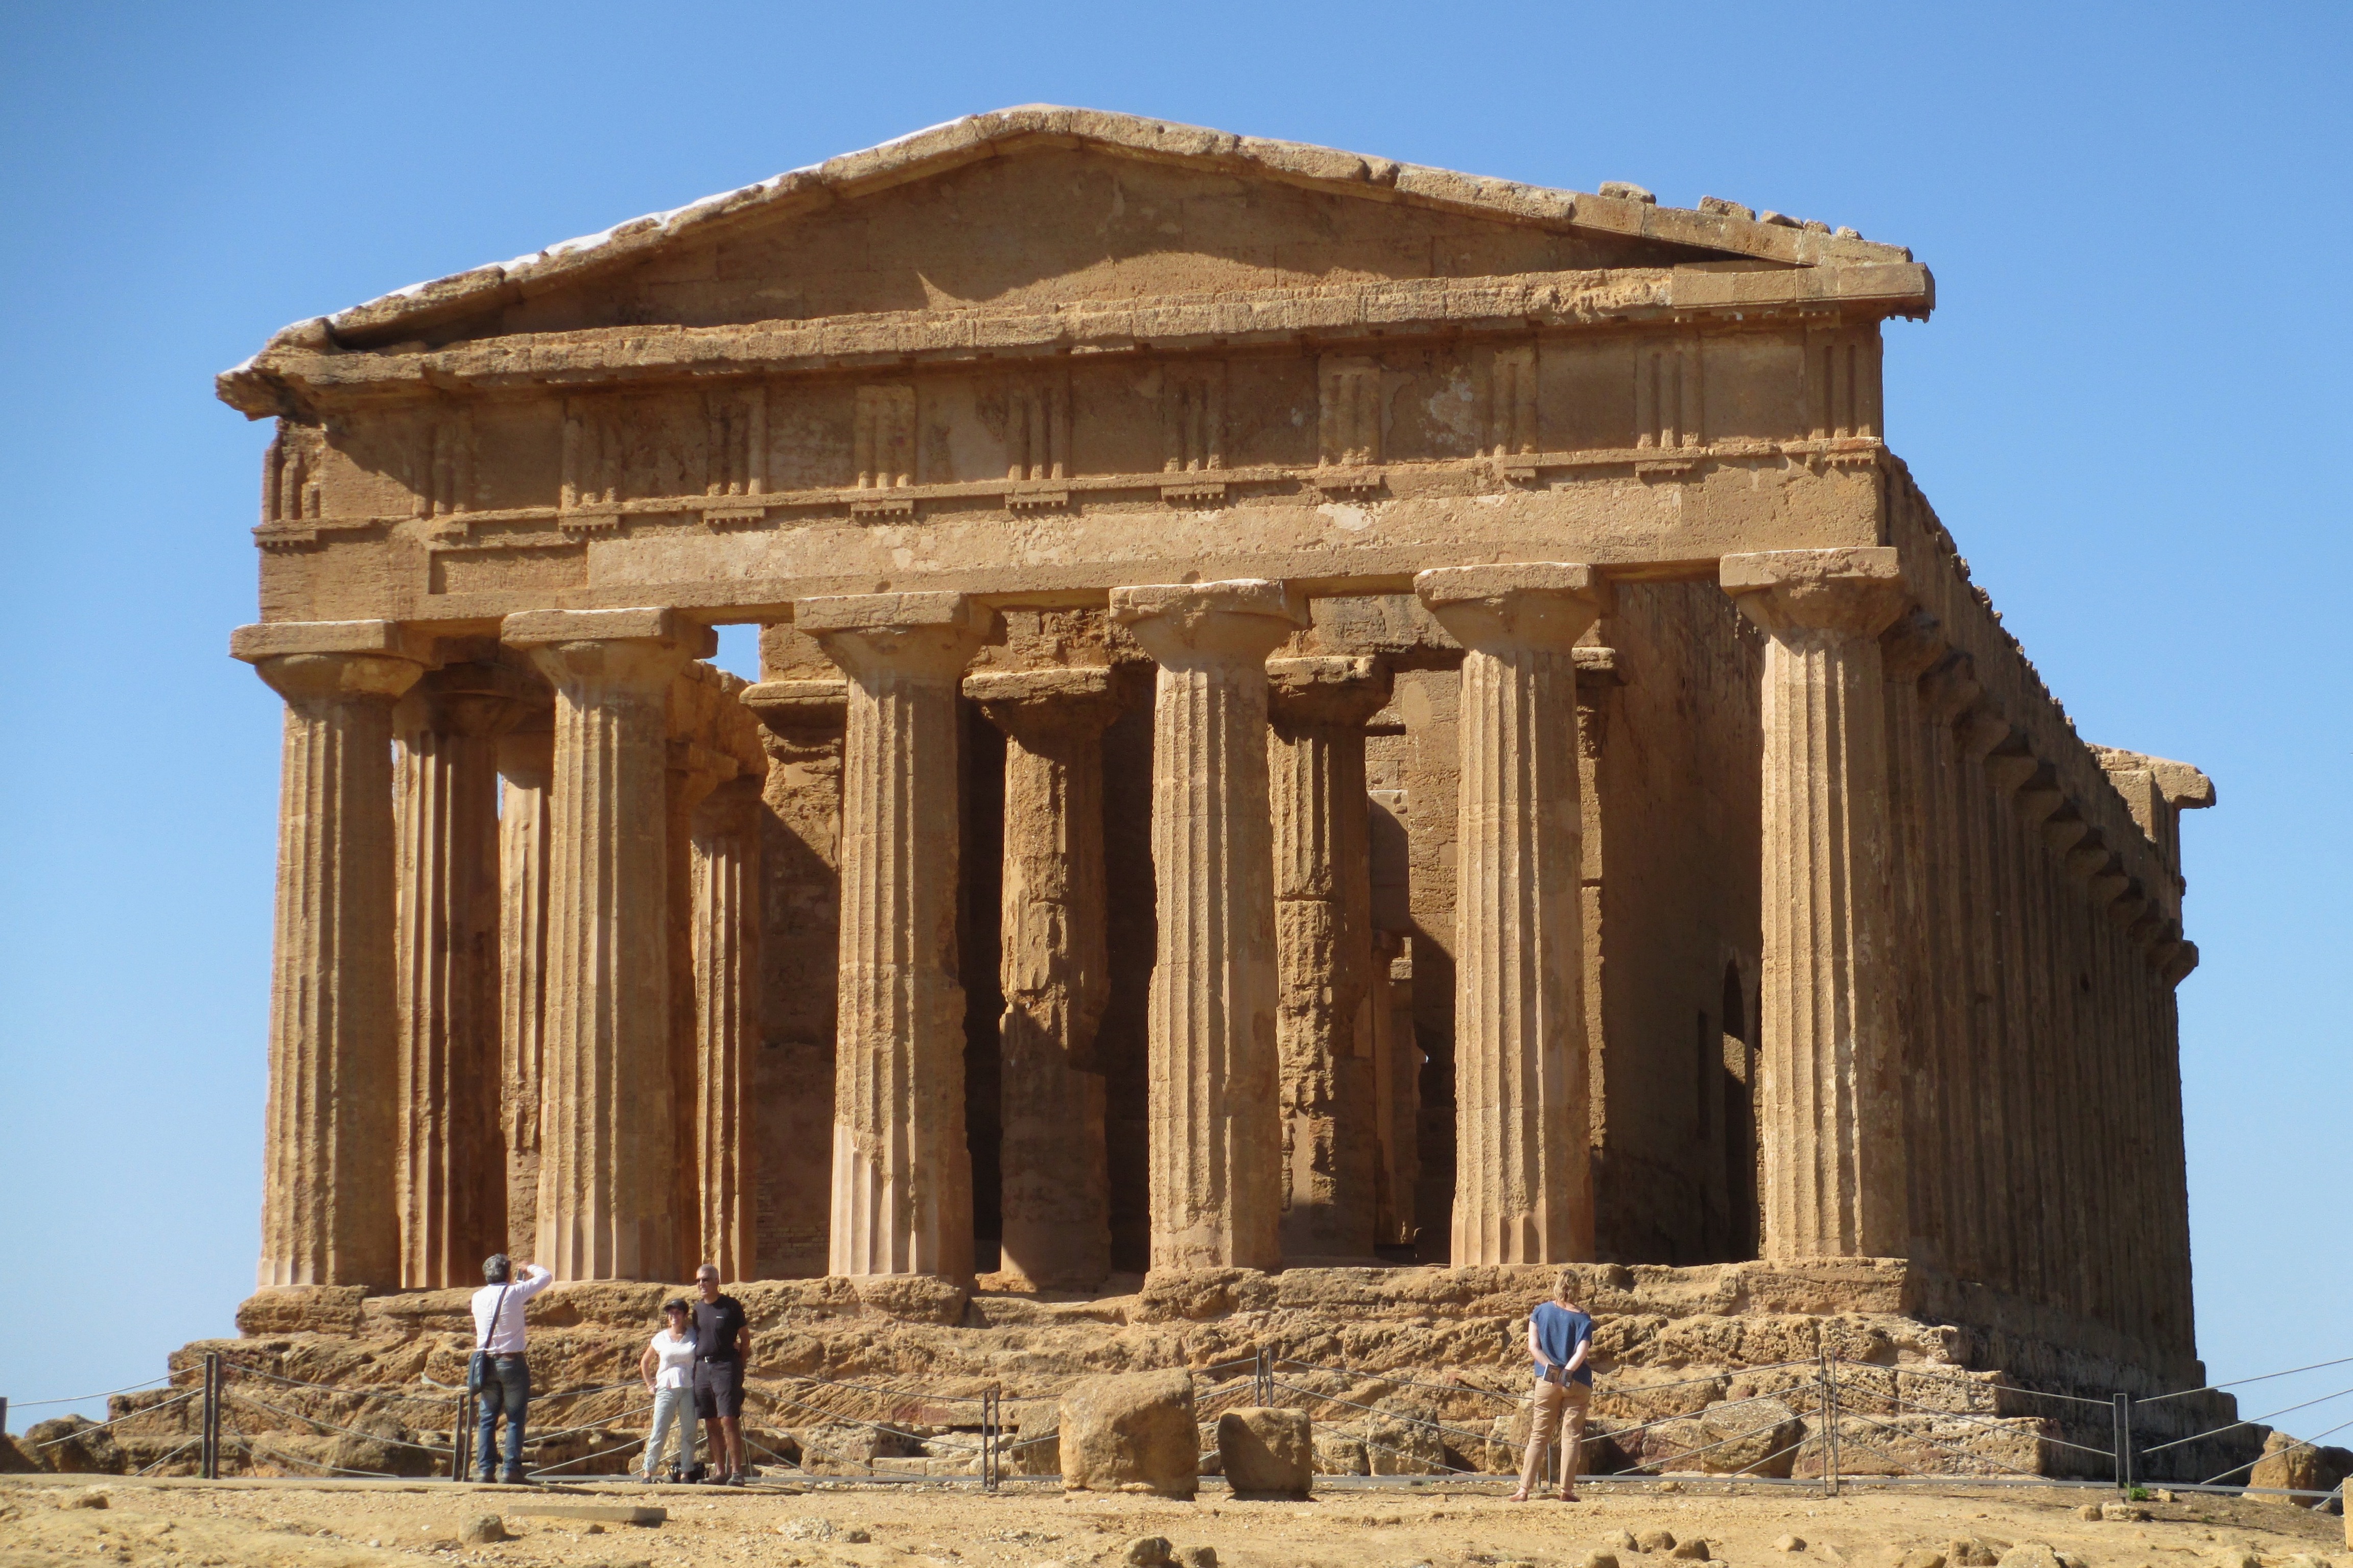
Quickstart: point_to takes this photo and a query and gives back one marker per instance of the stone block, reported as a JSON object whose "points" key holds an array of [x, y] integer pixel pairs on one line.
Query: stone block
{"points": [[1338, 1454], [73, 1446], [377, 1444], [1750, 1437], [1396, 1448], [1131, 1432], [1266, 1450]]}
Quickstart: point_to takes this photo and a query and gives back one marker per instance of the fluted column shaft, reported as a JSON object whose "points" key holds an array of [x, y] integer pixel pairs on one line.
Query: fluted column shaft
{"points": [[527, 768], [331, 1128], [1323, 935], [1056, 1187], [802, 724], [1522, 1184], [1831, 1063], [1216, 1157], [607, 1114], [452, 1181], [901, 1172], [726, 939], [695, 770]]}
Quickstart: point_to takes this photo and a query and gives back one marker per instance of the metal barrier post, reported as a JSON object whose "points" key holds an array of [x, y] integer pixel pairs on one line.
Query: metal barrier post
{"points": [[2123, 1443], [208, 1464], [460, 1438], [1830, 1423], [989, 1397], [1262, 1388]]}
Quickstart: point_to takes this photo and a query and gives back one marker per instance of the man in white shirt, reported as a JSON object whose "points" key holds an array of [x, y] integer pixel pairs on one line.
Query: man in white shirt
{"points": [[506, 1375]]}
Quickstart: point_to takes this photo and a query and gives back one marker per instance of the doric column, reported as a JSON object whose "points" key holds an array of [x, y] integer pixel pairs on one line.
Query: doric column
{"points": [[802, 724], [608, 1122], [1216, 1144], [695, 770], [330, 1134], [1832, 1068], [452, 1176], [1522, 1184], [726, 942], [527, 769], [1322, 935], [1056, 974], [901, 1172]]}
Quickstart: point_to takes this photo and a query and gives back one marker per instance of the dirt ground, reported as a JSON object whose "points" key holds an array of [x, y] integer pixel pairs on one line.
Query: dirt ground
{"points": [[816, 1525]]}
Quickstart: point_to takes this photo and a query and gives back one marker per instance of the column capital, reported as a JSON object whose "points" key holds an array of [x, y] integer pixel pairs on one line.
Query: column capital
{"points": [[787, 707], [1541, 604], [1850, 593], [644, 649], [1950, 687], [1198, 625], [1079, 699], [1339, 690], [476, 700], [1911, 646], [348, 661], [922, 635]]}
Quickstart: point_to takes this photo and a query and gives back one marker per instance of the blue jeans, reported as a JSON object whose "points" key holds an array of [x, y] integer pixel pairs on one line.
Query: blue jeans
{"points": [[506, 1382]]}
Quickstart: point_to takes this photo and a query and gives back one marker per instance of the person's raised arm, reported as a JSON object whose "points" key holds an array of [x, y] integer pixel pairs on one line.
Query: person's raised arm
{"points": [[534, 1280]]}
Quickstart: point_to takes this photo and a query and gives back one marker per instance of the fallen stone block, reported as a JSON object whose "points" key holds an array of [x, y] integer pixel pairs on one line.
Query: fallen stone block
{"points": [[1267, 1451], [1131, 1432]]}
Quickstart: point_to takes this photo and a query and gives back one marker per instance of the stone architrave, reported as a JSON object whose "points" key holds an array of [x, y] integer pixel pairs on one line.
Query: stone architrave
{"points": [[1055, 1202], [609, 1122], [527, 772], [901, 1198], [1323, 933], [452, 1176], [1523, 1191], [332, 1129], [1216, 1154], [1832, 1106], [726, 942]]}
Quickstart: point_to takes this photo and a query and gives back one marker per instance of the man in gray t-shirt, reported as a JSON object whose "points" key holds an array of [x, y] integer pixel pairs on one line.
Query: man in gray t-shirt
{"points": [[1560, 1339]]}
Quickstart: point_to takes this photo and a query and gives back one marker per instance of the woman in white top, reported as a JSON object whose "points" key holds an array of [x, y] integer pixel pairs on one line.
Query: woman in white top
{"points": [[667, 1369]]}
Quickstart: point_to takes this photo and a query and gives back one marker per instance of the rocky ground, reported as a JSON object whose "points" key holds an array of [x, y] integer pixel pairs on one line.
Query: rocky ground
{"points": [[299, 1524]]}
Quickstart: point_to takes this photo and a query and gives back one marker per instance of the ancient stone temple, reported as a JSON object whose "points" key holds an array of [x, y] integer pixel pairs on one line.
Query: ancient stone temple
{"points": [[1315, 713]]}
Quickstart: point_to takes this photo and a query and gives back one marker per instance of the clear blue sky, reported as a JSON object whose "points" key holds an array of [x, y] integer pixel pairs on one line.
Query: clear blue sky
{"points": [[2131, 408]]}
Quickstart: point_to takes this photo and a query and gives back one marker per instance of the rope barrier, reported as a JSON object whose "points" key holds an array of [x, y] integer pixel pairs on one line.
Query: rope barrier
{"points": [[2255, 1421], [2300, 1443], [330, 1426], [1956, 1375], [128, 1415], [2242, 1381], [167, 1458], [85, 1398]]}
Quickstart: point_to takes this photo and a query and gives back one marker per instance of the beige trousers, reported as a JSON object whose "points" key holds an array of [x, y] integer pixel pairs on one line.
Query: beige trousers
{"points": [[1551, 1402]]}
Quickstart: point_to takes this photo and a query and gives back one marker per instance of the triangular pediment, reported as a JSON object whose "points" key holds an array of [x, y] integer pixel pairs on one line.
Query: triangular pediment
{"points": [[1044, 206]]}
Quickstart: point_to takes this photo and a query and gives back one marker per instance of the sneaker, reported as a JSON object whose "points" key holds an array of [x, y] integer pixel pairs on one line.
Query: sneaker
{"points": [[734, 1478], [512, 1478]]}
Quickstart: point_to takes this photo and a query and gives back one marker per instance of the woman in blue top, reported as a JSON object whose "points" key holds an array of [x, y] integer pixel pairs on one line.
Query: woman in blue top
{"points": [[1560, 1338]]}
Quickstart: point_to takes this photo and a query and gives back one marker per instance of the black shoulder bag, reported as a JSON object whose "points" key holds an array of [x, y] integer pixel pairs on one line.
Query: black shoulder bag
{"points": [[478, 1367]]}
